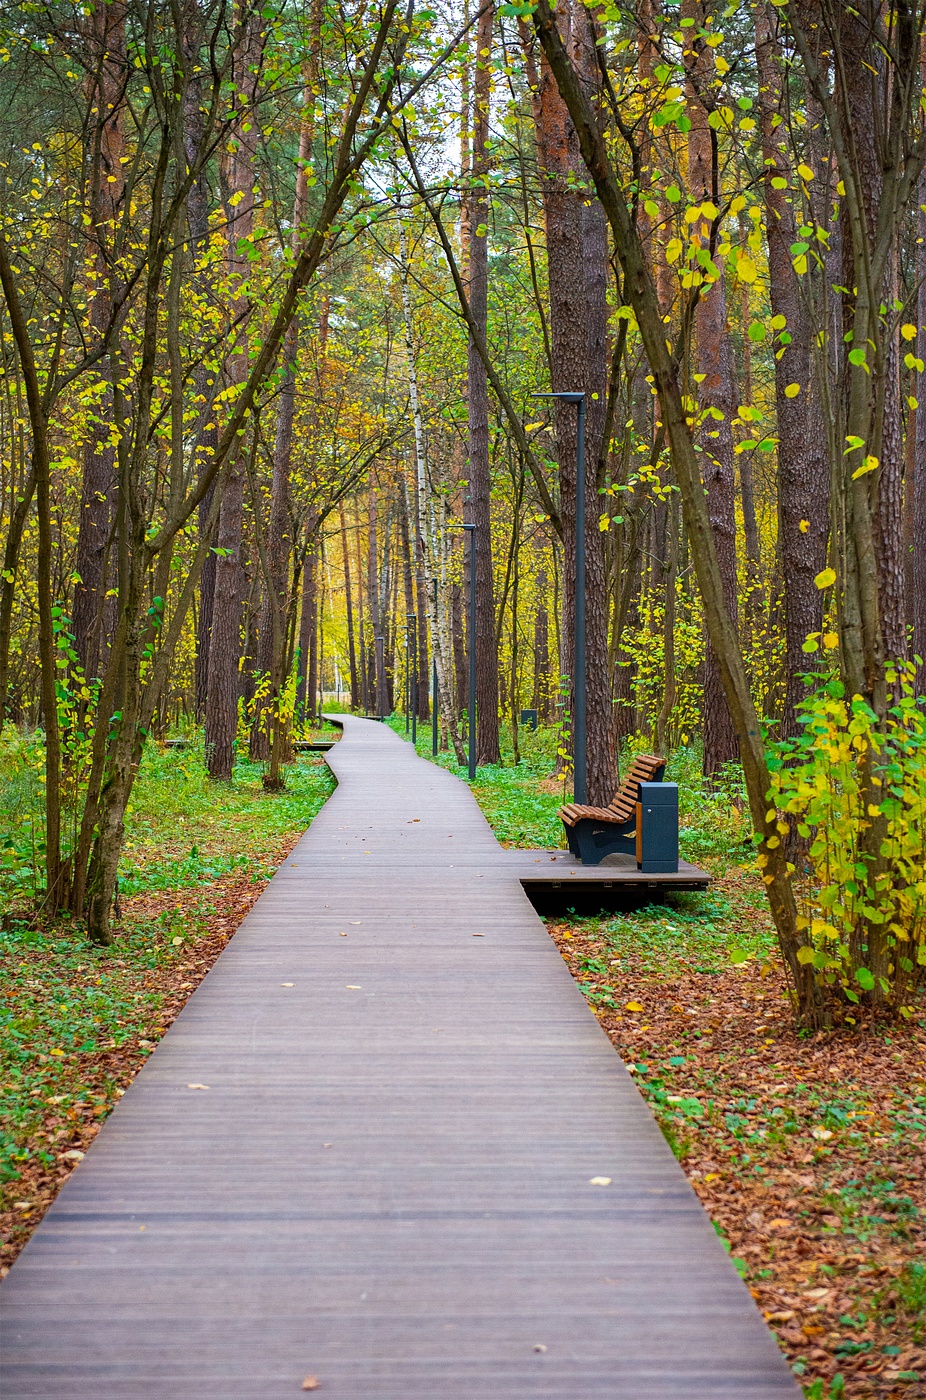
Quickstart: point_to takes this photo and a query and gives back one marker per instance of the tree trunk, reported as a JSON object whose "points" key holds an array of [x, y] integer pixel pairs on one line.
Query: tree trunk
{"points": [[480, 482], [918, 484], [106, 88], [225, 636], [348, 599], [803, 464], [577, 270], [717, 390]]}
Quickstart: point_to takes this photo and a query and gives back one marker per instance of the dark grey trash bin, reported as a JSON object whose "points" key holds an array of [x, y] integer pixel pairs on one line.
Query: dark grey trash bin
{"points": [[657, 829]]}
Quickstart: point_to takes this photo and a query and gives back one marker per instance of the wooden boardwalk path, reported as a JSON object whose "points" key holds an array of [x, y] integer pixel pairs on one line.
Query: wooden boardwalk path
{"points": [[387, 1182]]}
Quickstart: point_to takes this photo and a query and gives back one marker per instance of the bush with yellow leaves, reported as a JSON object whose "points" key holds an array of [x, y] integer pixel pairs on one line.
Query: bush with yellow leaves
{"points": [[855, 788]]}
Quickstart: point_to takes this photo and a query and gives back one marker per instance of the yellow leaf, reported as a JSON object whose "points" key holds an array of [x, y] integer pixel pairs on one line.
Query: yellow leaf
{"points": [[830, 641], [746, 270], [908, 332], [804, 526], [825, 578], [59, 1054], [870, 464], [633, 1006], [792, 391], [805, 172]]}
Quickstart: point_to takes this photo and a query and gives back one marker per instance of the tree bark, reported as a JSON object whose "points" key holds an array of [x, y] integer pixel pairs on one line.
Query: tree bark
{"points": [[221, 719], [480, 482], [106, 94], [717, 390], [803, 462], [918, 483], [577, 271]]}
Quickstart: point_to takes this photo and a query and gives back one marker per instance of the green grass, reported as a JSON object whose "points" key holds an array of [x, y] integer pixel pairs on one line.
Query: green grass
{"points": [[181, 829]]}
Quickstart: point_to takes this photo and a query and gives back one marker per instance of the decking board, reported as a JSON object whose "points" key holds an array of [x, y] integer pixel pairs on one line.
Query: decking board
{"points": [[468, 1096]]}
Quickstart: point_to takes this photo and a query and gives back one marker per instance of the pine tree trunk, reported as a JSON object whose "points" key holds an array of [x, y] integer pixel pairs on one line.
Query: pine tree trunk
{"points": [[577, 265], [480, 484], [803, 465], [221, 719], [918, 484], [717, 389], [106, 88]]}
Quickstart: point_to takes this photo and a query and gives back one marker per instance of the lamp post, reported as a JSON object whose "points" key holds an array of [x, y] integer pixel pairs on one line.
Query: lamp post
{"points": [[471, 531], [412, 669], [434, 729], [407, 675], [579, 770]]}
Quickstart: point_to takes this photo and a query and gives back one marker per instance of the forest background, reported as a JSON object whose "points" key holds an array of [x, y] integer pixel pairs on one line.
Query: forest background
{"points": [[280, 286]]}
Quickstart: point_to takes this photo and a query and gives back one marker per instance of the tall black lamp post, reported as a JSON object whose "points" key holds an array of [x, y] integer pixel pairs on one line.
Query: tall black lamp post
{"points": [[434, 730], [413, 672], [579, 770], [471, 530]]}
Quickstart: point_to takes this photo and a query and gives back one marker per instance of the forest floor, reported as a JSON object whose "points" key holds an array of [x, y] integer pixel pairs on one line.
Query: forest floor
{"points": [[809, 1153]]}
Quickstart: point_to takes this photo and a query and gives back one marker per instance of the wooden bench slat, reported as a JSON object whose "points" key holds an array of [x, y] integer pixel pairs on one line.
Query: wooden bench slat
{"points": [[621, 807]]}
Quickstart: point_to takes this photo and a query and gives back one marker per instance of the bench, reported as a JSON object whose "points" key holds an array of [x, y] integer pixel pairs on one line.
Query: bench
{"points": [[640, 820]]}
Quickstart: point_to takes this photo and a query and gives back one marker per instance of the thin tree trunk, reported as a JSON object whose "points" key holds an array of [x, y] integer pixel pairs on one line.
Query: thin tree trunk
{"points": [[480, 482], [106, 90], [225, 637], [803, 464], [918, 484], [717, 394]]}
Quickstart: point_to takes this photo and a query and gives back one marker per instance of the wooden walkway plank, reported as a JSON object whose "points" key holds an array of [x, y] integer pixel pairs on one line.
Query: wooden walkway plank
{"points": [[387, 1183]]}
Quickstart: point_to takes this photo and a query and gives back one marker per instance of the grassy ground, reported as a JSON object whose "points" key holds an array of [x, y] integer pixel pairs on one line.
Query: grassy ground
{"points": [[76, 1023], [809, 1153]]}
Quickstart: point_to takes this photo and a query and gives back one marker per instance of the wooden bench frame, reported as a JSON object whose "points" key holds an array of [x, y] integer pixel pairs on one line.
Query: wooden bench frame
{"points": [[596, 832]]}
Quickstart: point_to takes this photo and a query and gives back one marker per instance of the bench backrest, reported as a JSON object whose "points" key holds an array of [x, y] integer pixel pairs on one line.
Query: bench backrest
{"points": [[646, 768]]}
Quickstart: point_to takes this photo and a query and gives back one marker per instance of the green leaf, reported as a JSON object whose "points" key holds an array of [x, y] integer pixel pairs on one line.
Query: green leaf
{"points": [[865, 979]]}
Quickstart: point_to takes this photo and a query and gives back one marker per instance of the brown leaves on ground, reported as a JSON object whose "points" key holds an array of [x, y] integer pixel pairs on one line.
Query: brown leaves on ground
{"points": [[808, 1153]]}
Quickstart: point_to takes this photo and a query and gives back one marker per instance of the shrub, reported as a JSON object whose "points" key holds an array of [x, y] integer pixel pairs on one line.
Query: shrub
{"points": [[855, 788]]}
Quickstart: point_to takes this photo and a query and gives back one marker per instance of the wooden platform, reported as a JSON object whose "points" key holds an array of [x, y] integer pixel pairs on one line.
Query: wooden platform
{"points": [[559, 869], [388, 1182]]}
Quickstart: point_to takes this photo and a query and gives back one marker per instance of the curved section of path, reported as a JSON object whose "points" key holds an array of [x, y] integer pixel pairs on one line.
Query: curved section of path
{"points": [[387, 1183]]}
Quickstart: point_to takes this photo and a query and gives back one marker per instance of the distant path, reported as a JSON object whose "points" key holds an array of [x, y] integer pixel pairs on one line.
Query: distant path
{"points": [[387, 1183]]}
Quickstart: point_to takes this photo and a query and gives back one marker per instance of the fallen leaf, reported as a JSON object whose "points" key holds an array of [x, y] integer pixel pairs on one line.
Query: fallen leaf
{"points": [[539, 1346], [633, 1006], [784, 1316], [311, 1383], [821, 1134], [287, 984], [351, 987], [73, 1156], [599, 1181], [197, 1086]]}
